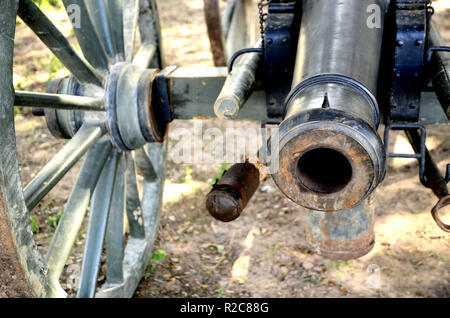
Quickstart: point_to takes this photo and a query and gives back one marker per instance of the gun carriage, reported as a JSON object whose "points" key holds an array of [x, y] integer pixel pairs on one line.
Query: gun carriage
{"points": [[326, 73]]}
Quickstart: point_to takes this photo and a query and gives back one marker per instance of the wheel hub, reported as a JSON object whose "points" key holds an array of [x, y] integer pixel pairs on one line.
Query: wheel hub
{"points": [[132, 118], [133, 115]]}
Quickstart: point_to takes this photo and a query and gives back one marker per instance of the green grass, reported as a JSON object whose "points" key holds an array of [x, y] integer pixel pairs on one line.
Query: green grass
{"points": [[222, 169], [221, 291], [33, 224], [17, 111], [50, 64], [157, 258], [276, 247], [53, 220]]}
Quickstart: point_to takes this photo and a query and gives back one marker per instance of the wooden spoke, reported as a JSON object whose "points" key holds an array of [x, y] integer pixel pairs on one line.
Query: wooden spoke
{"points": [[72, 218], [57, 43], [57, 168], [58, 101]]}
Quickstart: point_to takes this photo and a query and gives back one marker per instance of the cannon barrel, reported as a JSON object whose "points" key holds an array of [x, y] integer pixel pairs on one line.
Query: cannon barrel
{"points": [[342, 235], [330, 155]]}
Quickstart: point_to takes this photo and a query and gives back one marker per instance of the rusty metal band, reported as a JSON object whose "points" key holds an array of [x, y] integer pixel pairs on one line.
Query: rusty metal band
{"points": [[147, 114]]}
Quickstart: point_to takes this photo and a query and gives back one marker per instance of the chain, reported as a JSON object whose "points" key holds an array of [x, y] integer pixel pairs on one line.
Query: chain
{"points": [[430, 12], [262, 17], [430, 8]]}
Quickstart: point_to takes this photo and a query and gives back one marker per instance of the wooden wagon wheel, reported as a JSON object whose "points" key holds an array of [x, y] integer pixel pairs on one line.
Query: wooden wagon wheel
{"points": [[105, 110]]}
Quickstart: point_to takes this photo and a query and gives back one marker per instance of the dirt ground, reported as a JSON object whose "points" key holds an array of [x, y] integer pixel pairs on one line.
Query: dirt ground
{"points": [[263, 253]]}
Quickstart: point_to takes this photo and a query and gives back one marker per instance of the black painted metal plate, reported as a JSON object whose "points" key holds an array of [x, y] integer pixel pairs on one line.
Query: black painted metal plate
{"points": [[409, 61], [281, 36]]}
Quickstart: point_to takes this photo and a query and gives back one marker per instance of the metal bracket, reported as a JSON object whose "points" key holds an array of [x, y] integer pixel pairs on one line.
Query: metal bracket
{"points": [[281, 34], [422, 155], [161, 96], [433, 49], [411, 22], [241, 52]]}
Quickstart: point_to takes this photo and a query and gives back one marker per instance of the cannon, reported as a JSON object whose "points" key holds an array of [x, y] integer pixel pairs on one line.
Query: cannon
{"points": [[325, 73], [331, 77], [328, 138]]}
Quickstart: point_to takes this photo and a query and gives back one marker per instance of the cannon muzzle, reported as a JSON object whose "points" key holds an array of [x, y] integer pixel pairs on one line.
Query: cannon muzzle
{"points": [[330, 155]]}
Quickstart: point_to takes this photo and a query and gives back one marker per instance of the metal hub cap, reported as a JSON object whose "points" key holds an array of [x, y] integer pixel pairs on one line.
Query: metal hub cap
{"points": [[131, 115]]}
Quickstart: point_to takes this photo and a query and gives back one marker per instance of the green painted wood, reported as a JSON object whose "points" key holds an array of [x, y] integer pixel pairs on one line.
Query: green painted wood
{"points": [[98, 218], [431, 111], [58, 101], [193, 92], [60, 164], [130, 24], [76, 207], [115, 8], [57, 43], [115, 233], [144, 164], [150, 30], [133, 201], [137, 250], [19, 253], [102, 22], [145, 55], [87, 37]]}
